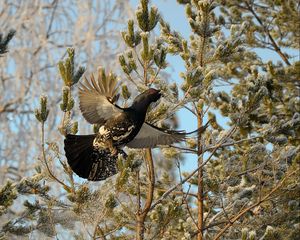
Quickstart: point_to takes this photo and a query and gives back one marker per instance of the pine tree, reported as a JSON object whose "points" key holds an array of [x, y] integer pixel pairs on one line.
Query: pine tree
{"points": [[245, 183]]}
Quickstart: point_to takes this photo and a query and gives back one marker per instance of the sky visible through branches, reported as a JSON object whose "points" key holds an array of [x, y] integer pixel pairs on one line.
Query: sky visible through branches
{"points": [[245, 163], [174, 14]]}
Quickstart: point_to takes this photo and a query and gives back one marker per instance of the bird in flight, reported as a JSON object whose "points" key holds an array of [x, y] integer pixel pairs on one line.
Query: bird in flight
{"points": [[94, 156]]}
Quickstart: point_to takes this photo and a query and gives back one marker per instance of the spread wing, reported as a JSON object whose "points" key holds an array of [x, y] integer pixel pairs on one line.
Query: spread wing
{"points": [[97, 98], [151, 136]]}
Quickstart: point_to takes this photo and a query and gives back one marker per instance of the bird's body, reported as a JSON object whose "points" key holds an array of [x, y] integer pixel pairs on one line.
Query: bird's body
{"points": [[119, 130], [95, 156]]}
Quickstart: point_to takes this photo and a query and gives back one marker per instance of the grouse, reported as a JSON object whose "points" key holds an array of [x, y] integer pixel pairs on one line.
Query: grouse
{"points": [[94, 157]]}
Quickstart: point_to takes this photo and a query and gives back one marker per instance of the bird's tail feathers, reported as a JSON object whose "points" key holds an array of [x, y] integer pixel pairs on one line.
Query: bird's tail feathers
{"points": [[88, 162], [200, 129]]}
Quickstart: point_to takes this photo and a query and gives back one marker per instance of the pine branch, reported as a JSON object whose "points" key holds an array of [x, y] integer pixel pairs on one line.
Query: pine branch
{"points": [[167, 193], [5, 40], [266, 30], [245, 210]]}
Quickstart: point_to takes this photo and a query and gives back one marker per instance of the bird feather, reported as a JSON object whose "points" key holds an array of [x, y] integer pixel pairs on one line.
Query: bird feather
{"points": [[96, 99]]}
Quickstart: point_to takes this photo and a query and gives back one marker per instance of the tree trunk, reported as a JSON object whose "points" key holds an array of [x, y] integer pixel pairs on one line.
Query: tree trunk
{"points": [[200, 182], [142, 213], [140, 227]]}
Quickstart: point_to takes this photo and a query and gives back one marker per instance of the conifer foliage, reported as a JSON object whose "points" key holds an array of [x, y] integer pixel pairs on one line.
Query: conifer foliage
{"points": [[244, 182], [4, 40]]}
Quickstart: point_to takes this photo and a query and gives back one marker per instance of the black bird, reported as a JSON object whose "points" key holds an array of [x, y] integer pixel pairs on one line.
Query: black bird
{"points": [[94, 156]]}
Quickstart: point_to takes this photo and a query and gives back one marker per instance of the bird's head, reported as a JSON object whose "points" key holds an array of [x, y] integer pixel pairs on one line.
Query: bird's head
{"points": [[142, 101], [152, 94]]}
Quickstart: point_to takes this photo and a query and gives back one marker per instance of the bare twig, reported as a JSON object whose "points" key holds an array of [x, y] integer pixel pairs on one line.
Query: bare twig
{"points": [[189, 211], [154, 77], [231, 143], [66, 187], [138, 188], [185, 149]]}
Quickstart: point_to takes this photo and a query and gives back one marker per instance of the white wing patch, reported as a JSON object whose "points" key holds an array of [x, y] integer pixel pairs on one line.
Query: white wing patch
{"points": [[125, 135]]}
